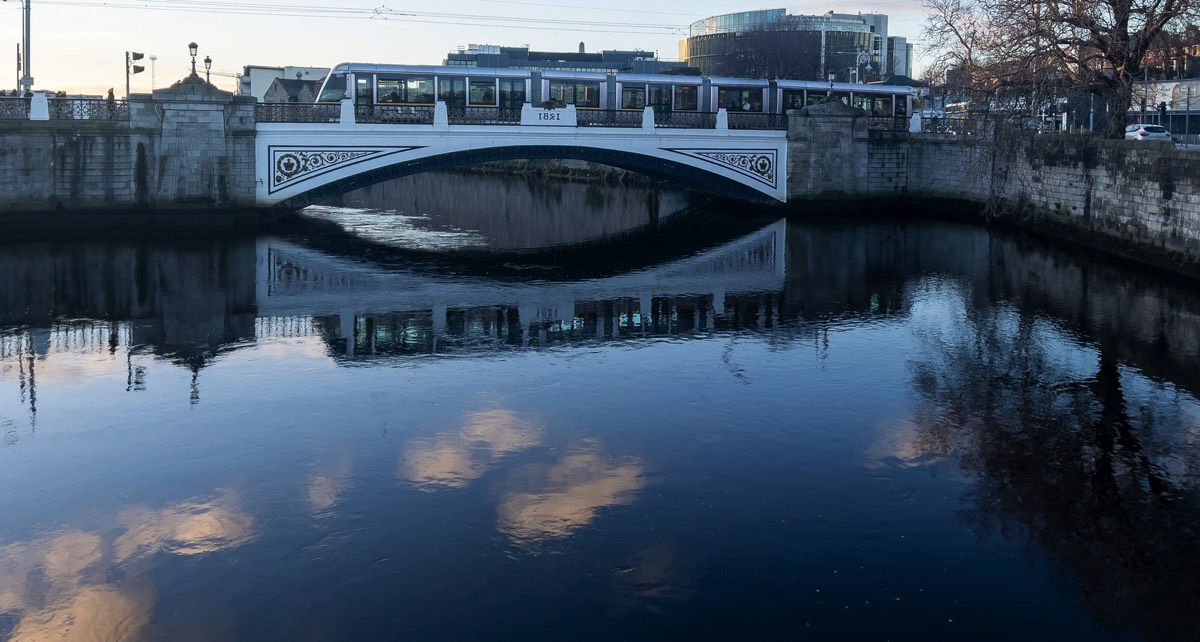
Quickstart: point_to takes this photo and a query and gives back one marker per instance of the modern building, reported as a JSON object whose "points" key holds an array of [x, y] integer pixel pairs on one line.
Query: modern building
{"points": [[900, 57], [774, 43], [636, 61]]}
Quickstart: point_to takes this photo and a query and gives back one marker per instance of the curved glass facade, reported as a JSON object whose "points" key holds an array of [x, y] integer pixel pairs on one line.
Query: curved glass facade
{"points": [[772, 43]]}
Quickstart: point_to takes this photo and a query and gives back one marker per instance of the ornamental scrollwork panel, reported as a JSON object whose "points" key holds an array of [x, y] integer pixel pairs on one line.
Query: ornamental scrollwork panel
{"points": [[291, 165], [760, 165]]}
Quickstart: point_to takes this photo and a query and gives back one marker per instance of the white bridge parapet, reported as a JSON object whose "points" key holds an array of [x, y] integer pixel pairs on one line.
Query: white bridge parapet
{"points": [[301, 162]]}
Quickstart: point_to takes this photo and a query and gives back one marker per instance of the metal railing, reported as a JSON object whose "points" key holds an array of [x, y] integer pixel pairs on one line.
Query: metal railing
{"points": [[14, 108], [484, 115], [972, 126], [402, 114], [755, 120], [297, 113], [685, 120], [887, 123], [88, 109], [608, 118]]}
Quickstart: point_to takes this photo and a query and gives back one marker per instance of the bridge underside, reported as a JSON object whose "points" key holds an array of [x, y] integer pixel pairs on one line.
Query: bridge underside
{"points": [[292, 175], [680, 174]]}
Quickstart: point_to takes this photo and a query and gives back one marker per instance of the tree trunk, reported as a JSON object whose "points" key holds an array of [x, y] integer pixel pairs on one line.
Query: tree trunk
{"points": [[1117, 100]]}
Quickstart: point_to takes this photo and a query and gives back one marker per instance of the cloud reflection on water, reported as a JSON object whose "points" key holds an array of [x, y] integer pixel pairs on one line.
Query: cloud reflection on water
{"points": [[559, 499], [82, 585], [454, 460], [545, 501]]}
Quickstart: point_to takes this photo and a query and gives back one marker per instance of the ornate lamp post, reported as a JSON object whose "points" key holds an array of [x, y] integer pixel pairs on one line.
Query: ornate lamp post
{"points": [[192, 49], [208, 69]]}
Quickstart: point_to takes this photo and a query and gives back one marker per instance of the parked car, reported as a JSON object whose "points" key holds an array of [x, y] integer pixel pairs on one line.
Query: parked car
{"points": [[1146, 131]]}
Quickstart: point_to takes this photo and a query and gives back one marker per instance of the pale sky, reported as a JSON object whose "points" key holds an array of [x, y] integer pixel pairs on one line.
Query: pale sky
{"points": [[79, 45]]}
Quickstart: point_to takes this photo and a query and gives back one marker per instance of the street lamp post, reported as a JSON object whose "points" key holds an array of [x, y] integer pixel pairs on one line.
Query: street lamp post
{"points": [[192, 49], [208, 70]]}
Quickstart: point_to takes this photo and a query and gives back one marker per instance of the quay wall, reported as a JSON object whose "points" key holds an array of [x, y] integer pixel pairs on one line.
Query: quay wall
{"points": [[187, 147], [1137, 193], [1139, 197]]}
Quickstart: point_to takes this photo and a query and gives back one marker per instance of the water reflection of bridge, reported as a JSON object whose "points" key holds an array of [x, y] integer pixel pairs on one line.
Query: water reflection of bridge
{"points": [[359, 308]]}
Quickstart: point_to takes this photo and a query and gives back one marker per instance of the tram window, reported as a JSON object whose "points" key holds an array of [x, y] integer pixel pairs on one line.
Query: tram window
{"points": [[483, 92], [659, 98], [580, 94], [737, 99], [419, 89], [410, 89], [873, 105], [842, 96], [815, 97], [793, 99], [633, 98], [390, 90], [512, 92], [334, 89], [452, 91], [687, 98]]}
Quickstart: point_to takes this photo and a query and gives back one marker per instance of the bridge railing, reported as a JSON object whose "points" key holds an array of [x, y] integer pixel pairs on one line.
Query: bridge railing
{"points": [[88, 109], [14, 108], [296, 113], [483, 115], [403, 114], [608, 118], [741, 120], [685, 120], [887, 123]]}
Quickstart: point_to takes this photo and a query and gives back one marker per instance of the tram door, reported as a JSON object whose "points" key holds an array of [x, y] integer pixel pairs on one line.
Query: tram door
{"points": [[363, 91], [453, 91], [512, 93]]}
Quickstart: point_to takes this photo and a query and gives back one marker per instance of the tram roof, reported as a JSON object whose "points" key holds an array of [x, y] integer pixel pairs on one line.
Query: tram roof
{"points": [[361, 67]]}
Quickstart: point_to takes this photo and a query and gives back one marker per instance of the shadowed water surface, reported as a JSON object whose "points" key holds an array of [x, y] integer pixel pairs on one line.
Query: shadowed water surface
{"points": [[885, 431]]}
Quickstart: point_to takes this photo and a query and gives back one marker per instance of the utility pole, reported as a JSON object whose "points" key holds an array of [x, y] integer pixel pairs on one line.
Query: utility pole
{"points": [[26, 81]]}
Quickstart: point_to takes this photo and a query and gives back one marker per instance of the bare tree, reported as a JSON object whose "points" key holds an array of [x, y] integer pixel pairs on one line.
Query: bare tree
{"points": [[1096, 45]]}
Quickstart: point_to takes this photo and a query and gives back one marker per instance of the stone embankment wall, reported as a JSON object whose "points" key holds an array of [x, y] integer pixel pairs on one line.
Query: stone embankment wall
{"points": [[1140, 196], [187, 147], [1135, 192]]}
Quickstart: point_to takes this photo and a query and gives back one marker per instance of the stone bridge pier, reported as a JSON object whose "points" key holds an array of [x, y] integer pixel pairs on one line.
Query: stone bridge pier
{"points": [[185, 148]]}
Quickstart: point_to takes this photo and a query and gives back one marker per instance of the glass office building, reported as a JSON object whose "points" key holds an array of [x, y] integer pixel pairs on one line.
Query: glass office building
{"points": [[848, 46]]}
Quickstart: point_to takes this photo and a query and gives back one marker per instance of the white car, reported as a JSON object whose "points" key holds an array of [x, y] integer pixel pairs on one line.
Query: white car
{"points": [[1146, 131]]}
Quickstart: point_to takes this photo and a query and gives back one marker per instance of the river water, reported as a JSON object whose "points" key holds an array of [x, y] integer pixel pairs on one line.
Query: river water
{"points": [[558, 411]]}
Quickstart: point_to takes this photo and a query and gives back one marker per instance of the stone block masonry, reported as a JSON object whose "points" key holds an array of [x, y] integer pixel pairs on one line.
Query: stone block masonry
{"points": [[1139, 195], [187, 147]]}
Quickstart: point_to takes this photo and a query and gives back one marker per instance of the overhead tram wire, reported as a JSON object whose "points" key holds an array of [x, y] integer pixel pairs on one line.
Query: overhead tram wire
{"points": [[378, 13]]}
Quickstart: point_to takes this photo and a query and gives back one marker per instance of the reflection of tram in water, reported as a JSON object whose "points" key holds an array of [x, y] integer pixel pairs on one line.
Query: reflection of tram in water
{"points": [[458, 87]]}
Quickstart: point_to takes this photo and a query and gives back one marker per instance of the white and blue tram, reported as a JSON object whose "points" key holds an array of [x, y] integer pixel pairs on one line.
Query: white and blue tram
{"points": [[505, 88]]}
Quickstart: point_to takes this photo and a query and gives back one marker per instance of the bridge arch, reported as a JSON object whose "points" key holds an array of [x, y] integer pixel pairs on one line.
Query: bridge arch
{"points": [[298, 164]]}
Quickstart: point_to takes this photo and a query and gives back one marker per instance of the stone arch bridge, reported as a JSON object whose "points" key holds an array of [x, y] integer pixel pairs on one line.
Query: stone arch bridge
{"points": [[304, 153]]}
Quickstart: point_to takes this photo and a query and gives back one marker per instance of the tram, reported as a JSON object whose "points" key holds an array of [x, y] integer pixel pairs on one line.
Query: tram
{"points": [[505, 88]]}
